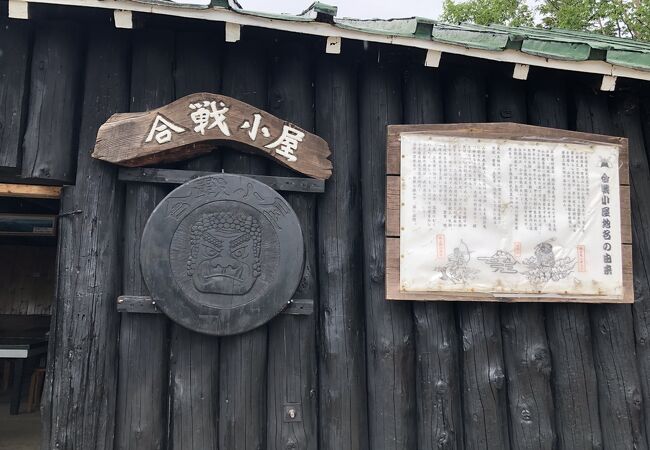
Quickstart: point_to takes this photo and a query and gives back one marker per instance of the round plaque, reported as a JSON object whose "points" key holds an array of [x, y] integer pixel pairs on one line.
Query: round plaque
{"points": [[222, 254]]}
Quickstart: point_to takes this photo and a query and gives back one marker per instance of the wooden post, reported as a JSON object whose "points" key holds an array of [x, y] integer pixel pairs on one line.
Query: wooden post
{"points": [[390, 351], [49, 147], [640, 183], [14, 70], [342, 420], [143, 350], [243, 358], [631, 403], [525, 347], [292, 376], [194, 357], [484, 392], [567, 325], [439, 405], [78, 406]]}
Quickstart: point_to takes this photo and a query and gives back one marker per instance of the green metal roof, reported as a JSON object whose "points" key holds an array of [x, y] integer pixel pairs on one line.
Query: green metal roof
{"points": [[556, 48], [557, 44]]}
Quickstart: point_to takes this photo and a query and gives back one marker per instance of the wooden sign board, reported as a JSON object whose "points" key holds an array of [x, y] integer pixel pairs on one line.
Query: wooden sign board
{"points": [[507, 212], [190, 127]]}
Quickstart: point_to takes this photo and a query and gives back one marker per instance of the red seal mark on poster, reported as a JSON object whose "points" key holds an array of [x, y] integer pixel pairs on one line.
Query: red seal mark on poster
{"points": [[582, 259], [441, 252]]}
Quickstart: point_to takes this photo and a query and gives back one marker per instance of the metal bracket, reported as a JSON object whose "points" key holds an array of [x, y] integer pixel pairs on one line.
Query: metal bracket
{"points": [[143, 304], [174, 176]]}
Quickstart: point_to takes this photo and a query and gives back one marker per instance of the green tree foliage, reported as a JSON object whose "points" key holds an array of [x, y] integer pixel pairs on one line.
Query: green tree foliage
{"points": [[484, 12], [623, 18]]}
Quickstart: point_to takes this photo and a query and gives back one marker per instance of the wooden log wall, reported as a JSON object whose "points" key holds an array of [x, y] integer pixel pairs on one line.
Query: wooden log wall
{"points": [[78, 406], [362, 372], [141, 414], [194, 357], [292, 358]]}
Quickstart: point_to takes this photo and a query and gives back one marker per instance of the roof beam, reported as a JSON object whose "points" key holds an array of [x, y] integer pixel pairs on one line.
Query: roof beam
{"points": [[333, 45], [18, 9], [233, 32], [608, 83], [433, 58], [521, 71], [221, 14], [29, 190], [123, 19]]}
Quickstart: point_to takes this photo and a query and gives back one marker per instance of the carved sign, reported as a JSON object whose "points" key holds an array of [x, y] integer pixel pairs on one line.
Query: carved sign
{"points": [[222, 254], [191, 125]]}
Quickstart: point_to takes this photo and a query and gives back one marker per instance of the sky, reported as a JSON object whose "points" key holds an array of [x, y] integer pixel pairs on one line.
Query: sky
{"points": [[363, 9]]}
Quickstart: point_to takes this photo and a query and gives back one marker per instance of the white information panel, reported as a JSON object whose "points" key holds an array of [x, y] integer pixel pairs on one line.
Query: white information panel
{"points": [[509, 217]]}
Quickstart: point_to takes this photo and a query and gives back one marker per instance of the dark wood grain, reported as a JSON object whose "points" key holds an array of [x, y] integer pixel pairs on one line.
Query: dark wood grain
{"points": [[629, 121], [193, 389], [194, 357], [567, 326], [50, 142], [439, 406], [390, 351], [484, 392], [207, 79], [527, 360], [485, 411], [78, 406], [619, 388], [525, 347], [292, 373], [342, 420], [243, 358], [640, 184], [506, 100], [574, 378], [15, 46], [143, 351]]}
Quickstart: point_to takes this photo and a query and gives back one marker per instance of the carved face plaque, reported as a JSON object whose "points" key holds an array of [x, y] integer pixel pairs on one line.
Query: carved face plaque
{"points": [[222, 254], [225, 253]]}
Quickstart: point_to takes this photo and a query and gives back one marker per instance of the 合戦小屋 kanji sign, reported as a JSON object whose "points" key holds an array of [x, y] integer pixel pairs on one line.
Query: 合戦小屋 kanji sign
{"points": [[189, 126]]}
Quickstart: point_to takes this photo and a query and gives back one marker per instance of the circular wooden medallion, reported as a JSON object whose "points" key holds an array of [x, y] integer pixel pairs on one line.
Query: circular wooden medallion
{"points": [[222, 254]]}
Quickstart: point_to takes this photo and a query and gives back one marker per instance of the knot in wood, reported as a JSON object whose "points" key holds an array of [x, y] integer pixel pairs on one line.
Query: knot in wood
{"points": [[497, 377], [442, 387], [541, 360], [443, 439]]}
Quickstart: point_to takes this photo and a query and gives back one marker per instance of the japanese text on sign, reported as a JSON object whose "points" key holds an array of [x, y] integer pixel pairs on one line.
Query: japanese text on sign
{"points": [[509, 217], [212, 115]]}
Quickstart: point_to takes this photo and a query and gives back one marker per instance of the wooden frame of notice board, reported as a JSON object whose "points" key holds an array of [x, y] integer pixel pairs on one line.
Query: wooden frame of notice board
{"points": [[509, 131]]}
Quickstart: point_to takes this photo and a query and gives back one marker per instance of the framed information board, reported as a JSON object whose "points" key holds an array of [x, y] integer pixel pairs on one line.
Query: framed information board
{"points": [[507, 212]]}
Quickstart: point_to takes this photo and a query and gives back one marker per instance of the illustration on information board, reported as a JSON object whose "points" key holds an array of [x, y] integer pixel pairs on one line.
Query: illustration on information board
{"points": [[457, 270]]}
